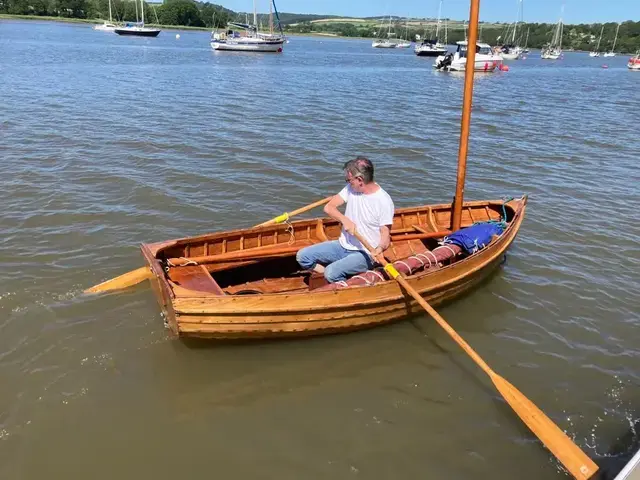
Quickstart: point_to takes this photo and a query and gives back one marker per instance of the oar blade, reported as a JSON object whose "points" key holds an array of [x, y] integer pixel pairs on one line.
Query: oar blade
{"points": [[566, 451], [123, 281]]}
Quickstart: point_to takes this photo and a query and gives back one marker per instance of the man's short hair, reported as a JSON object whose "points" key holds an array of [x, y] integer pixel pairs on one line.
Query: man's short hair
{"points": [[360, 167]]}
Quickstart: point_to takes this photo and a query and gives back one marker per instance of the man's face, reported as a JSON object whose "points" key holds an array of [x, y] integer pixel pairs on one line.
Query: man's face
{"points": [[355, 182]]}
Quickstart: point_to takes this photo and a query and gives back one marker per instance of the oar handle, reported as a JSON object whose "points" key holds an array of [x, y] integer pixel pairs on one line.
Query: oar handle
{"points": [[287, 215]]}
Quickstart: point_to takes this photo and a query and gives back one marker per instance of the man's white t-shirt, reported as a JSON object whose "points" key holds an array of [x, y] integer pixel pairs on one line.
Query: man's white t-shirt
{"points": [[369, 213]]}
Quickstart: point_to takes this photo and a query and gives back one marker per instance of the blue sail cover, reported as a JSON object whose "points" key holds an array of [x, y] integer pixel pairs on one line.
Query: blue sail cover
{"points": [[475, 237]]}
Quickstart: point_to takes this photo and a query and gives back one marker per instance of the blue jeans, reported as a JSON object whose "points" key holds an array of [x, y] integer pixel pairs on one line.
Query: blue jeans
{"points": [[340, 263]]}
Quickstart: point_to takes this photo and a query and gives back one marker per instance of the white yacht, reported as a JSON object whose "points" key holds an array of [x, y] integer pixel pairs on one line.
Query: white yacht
{"points": [[596, 52], [384, 43], [615, 39], [389, 42], [511, 50], [106, 26], [553, 51], [242, 37], [485, 59]]}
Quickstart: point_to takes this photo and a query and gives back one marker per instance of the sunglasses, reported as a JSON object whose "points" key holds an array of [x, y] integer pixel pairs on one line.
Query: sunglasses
{"points": [[349, 180]]}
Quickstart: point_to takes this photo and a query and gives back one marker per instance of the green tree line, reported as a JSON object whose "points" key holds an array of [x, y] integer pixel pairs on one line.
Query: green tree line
{"points": [[171, 12]]}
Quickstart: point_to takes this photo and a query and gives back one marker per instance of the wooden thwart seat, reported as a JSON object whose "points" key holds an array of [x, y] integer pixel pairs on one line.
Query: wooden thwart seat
{"points": [[194, 277]]}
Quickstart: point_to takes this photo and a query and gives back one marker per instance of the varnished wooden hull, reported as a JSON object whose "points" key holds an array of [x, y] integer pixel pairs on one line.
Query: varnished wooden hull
{"points": [[221, 316]]}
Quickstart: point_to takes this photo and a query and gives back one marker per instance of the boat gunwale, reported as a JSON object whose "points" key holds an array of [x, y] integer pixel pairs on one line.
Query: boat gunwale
{"points": [[212, 301], [156, 248]]}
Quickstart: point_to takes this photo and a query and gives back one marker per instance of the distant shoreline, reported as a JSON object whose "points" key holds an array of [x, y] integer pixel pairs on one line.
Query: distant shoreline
{"points": [[91, 21], [95, 21]]}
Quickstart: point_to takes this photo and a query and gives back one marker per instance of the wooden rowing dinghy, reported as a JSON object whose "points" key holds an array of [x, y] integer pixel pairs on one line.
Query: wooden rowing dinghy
{"points": [[247, 283]]}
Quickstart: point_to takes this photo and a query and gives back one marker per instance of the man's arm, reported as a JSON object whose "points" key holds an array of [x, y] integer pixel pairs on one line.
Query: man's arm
{"points": [[385, 239], [331, 209]]}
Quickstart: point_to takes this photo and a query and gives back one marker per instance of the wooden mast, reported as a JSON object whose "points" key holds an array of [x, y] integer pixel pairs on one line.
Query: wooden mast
{"points": [[466, 114]]}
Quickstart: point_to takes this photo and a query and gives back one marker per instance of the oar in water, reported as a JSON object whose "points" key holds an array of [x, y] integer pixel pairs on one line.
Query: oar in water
{"points": [[567, 452], [141, 274]]}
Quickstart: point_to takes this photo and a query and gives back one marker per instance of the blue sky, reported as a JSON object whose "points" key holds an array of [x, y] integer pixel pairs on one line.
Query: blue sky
{"points": [[576, 11]]}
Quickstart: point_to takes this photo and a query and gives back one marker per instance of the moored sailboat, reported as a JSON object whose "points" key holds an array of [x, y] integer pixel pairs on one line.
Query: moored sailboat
{"points": [[553, 50], [404, 41], [138, 29], [387, 42], [106, 26], [596, 52], [244, 37], [433, 47], [612, 53], [511, 50]]}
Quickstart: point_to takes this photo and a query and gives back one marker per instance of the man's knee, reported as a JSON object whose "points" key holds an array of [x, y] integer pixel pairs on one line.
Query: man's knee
{"points": [[304, 260], [333, 274]]}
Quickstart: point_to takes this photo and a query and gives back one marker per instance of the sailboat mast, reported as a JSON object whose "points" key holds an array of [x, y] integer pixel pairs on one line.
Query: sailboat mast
{"points": [[600, 38], [561, 26], [467, 100], [615, 39], [142, 11], [110, 18], [438, 25], [515, 25], [446, 33], [270, 19], [255, 15]]}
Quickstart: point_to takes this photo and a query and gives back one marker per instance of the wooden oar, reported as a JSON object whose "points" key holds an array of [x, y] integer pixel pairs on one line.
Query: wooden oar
{"points": [[287, 215], [141, 274], [567, 452]]}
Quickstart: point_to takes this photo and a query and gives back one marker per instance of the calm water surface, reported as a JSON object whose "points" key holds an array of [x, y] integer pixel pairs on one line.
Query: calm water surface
{"points": [[107, 142]]}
